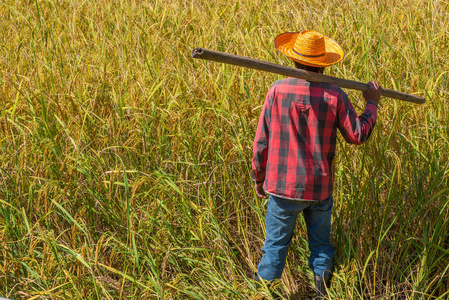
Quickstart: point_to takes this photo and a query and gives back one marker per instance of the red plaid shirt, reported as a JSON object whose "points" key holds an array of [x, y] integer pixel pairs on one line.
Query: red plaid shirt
{"points": [[296, 137]]}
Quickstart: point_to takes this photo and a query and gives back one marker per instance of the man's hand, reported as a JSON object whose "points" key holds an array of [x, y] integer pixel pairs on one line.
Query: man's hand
{"points": [[259, 190], [373, 92]]}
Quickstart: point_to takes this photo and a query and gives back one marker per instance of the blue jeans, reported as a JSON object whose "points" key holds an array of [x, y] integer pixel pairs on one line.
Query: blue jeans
{"points": [[280, 224]]}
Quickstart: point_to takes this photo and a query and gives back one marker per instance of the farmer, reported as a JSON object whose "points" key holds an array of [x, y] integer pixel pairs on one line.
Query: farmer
{"points": [[293, 151]]}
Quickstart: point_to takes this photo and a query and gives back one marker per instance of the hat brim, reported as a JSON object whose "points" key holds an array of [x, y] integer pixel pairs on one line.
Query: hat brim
{"points": [[334, 52]]}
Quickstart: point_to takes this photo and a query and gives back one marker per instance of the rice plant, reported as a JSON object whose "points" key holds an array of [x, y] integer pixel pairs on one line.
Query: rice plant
{"points": [[125, 164]]}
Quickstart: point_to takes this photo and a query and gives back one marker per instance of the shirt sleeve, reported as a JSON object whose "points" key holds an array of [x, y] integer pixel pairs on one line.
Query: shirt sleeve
{"points": [[355, 129], [261, 140]]}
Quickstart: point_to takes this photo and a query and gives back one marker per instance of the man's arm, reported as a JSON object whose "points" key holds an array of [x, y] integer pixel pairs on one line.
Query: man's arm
{"points": [[357, 129], [260, 146]]}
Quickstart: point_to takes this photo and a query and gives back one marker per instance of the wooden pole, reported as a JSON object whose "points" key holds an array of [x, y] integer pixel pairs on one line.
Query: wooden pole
{"points": [[252, 63]]}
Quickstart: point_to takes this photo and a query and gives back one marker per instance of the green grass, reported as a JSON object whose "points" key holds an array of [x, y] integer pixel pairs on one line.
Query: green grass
{"points": [[125, 164]]}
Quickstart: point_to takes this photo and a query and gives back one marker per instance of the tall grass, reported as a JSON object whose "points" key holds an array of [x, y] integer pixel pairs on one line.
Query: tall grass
{"points": [[125, 164]]}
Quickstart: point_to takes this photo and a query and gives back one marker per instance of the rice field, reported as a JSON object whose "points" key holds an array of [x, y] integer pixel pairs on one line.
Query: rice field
{"points": [[124, 163]]}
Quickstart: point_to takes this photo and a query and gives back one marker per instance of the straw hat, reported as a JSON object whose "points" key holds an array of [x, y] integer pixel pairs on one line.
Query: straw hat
{"points": [[310, 48]]}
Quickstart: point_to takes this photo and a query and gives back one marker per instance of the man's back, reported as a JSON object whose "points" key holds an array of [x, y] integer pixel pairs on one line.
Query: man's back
{"points": [[296, 138]]}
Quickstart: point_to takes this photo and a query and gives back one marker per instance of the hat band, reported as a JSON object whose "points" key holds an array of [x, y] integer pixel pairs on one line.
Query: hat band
{"points": [[304, 55]]}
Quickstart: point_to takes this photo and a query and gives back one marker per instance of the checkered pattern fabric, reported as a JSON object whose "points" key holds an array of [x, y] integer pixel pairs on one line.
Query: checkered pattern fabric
{"points": [[296, 137]]}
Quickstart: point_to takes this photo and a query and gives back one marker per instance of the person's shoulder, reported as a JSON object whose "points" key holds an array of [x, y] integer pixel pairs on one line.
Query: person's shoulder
{"points": [[287, 83], [276, 85], [334, 89], [281, 82]]}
